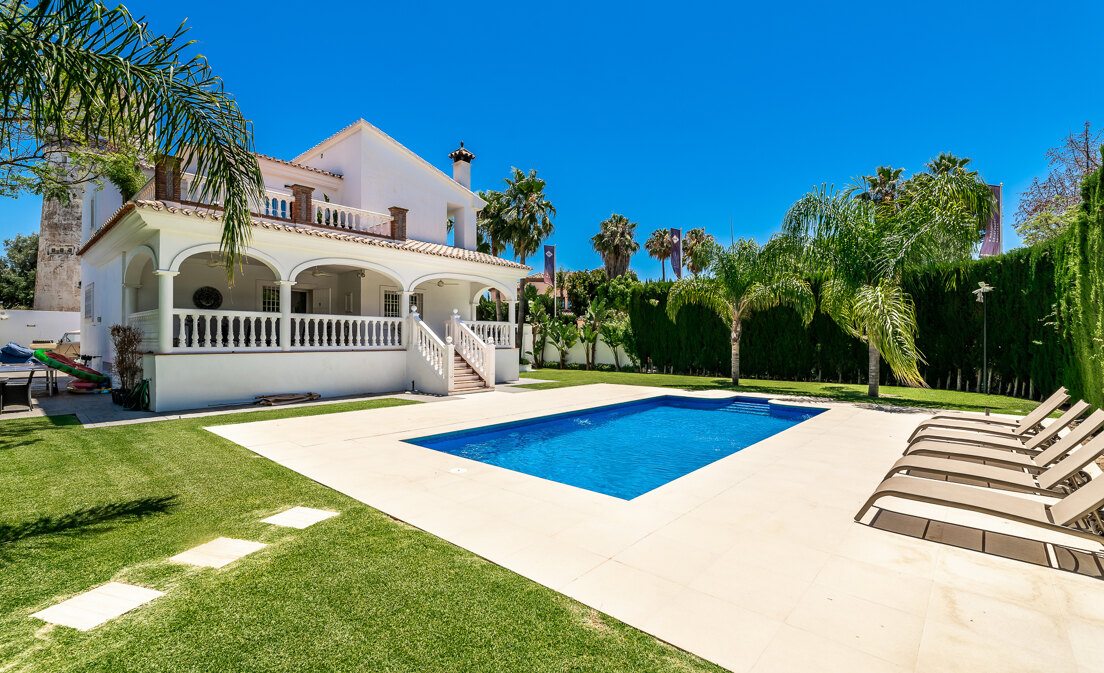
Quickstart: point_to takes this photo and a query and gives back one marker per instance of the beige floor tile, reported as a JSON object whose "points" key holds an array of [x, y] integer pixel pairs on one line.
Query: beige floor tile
{"points": [[875, 629], [218, 552], [92, 608], [994, 576], [755, 588], [794, 650], [551, 564], [993, 621], [628, 594], [1087, 641], [946, 648], [299, 517], [877, 584], [717, 630]]}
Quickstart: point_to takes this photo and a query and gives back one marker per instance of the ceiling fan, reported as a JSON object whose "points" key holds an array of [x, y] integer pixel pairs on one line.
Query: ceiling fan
{"points": [[319, 273]]}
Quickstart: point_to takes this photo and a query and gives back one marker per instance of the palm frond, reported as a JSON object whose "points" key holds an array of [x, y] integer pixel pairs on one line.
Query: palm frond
{"points": [[887, 318], [708, 293]]}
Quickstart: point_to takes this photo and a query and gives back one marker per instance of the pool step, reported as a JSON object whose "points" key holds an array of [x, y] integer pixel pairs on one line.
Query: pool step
{"points": [[739, 406]]}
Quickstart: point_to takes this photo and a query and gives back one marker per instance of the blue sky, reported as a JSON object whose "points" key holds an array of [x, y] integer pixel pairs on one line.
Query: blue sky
{"points": [[677, 115]]}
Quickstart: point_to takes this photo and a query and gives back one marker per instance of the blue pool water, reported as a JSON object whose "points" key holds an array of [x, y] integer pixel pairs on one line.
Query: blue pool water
{"points": [[623, 450]]}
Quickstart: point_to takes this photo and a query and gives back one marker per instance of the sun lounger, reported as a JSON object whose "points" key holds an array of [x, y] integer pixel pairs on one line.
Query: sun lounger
{"points": [[1022, 458], [1051, 480], [1009, 442], [1062, 515], [995, 425]]}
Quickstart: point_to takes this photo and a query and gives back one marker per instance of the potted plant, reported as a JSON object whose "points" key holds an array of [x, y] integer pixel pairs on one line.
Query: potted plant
{"points": [[127, 366]]}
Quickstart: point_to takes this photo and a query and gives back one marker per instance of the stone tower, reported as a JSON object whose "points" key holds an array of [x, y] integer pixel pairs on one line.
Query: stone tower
{"points": [[57, 284]]}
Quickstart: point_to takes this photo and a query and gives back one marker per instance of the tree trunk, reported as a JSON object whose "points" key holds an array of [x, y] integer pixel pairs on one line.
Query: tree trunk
{"points": [[873, 370], [663, 270], [736, 329], [521, 310], [498, 306]]}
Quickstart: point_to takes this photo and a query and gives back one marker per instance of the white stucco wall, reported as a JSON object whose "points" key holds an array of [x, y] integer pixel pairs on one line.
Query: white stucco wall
{"points": [[23, 327], [379, 173], [196, 381]]}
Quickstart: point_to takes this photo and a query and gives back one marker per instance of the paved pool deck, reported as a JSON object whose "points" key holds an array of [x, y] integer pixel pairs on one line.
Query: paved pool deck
{"points": [[753, 562]]}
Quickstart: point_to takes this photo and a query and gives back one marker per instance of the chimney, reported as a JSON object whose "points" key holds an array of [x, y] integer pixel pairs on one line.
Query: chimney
{"points": [[461, 165]]}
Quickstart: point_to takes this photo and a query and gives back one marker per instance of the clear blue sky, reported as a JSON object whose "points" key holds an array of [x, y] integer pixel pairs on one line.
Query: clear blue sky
{"points": [[673, 114]]}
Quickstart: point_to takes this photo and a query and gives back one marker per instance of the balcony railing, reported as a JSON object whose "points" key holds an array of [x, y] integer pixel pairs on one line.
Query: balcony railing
{"points": [[282, 205], [199, 331]]}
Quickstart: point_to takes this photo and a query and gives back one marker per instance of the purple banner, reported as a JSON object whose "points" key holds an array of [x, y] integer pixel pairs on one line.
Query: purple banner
{"points": [[550, 264], [991, 244], [676, 252]]}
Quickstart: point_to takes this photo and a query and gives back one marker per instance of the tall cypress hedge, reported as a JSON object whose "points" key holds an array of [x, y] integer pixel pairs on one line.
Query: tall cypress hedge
{"points": [[1029, 355], [1080, 311]]}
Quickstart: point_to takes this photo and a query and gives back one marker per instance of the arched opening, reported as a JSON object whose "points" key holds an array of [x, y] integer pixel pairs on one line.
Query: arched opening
{"points": [[339, 303], [210, 313]]}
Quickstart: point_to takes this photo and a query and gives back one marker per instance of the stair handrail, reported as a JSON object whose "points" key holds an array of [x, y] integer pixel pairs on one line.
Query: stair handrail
{"points": [[438, 354], [476, 352]]}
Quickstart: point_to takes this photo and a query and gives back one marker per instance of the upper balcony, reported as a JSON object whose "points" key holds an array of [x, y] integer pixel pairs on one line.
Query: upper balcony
{"points": [[296, 205]]}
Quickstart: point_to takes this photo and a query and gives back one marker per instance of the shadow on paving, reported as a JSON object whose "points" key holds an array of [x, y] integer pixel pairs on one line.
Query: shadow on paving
{"points": [[82, 520], [987, 542]]}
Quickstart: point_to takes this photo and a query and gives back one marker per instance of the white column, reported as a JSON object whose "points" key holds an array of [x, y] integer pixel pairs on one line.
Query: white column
{"points": [[513, 311], [130, 300], [165, 309], [404, 303], [285, 313], [474, 312]]}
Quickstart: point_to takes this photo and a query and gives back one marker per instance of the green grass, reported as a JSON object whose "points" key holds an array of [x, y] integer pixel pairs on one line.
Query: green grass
{"points": [[357, 592], [891, 395]]}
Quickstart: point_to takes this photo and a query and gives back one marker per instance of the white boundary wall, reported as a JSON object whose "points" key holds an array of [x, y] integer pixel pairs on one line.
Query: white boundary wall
{"points": [[576, 355], [196, 381], [23, 327]]}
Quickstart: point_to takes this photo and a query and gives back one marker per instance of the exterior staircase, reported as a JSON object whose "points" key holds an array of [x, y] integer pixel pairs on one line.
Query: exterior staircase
{"points": [[745, 406], [465, 379]]}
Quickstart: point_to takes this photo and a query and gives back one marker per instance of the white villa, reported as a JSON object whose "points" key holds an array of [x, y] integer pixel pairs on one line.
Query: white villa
{"points": [[350, 285]]}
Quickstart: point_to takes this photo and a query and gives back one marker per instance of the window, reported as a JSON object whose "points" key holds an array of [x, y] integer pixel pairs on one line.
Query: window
{"points": [[89, 301], [391, 303], [270, 299]]}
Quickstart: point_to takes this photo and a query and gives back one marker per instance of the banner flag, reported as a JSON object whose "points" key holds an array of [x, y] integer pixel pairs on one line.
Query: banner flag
{"points": [[550, 264], [991, 243], [676, 252]]}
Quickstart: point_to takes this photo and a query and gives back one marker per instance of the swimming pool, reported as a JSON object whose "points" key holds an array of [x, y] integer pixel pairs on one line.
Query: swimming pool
{"points": [[624, 450]]}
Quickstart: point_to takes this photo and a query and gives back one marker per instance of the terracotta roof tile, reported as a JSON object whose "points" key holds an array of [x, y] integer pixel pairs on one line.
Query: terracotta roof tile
{"points": [[412, 245], [295, 165]]}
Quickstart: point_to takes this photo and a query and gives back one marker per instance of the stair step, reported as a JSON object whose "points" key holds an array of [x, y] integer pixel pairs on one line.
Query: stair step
{"points": [[756, 408]]}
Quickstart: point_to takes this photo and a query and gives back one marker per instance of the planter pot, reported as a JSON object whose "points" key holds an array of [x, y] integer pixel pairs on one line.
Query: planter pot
{"points": [[119, 396]]}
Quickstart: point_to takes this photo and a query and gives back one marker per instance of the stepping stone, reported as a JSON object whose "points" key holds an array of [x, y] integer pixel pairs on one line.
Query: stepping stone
{"points": [[299, 517], [92, 608], [218, 552]]}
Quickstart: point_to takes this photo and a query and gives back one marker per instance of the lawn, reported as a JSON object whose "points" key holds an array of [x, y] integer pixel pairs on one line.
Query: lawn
{"points": [[891, 395], [361, 591]]}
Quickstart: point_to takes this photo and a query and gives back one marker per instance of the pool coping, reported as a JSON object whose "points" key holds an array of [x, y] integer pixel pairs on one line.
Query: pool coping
{"points": [[750, 562]]}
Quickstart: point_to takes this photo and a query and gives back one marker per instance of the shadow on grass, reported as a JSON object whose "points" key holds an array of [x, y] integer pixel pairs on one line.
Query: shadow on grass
{"points": [[18, 432], [83, 519]]}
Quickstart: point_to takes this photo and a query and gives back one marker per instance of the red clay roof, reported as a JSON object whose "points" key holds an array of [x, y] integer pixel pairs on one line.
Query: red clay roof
{"points": [[423, 247]]}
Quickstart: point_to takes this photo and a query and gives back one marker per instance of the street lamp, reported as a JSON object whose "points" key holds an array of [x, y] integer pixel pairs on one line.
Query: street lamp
{"points": [[984, 289]]}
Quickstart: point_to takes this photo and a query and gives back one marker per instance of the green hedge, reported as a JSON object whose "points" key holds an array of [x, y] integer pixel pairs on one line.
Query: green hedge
{"points": [[1027, 355], [1046, 324]]}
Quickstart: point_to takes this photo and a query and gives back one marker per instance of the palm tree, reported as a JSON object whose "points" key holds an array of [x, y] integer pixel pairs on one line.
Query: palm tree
{"points": [[741, 280], [692, 249], [97, 82], [865, 246], [530, 215], [658, 246], [882, 186], [946, 163], [493, 229], [616, 243]]}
